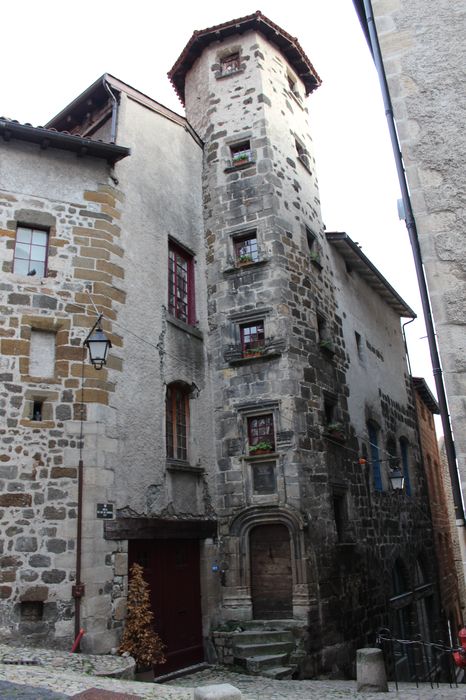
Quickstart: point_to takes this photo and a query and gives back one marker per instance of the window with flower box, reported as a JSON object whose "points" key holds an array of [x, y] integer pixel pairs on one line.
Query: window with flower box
{"points": [[181, 284], [230, 63], [252, 339], [245, 248], [241, 153], [31, 248], [261, 434]]}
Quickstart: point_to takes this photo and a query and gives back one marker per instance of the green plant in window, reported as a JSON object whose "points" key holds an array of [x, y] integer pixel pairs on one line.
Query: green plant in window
{"points": [[262, 446]]}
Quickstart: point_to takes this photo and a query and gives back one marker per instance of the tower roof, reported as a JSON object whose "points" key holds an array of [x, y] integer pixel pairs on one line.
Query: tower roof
{"points": [[288, 45]]}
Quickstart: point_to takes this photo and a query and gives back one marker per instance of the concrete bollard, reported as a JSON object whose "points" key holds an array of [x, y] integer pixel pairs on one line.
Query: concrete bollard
{"points": [[222, 691], [370, 671]]}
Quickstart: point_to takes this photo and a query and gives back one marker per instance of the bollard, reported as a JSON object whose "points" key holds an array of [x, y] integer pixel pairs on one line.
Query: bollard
{"points": [[370, 671], [222, 691]]}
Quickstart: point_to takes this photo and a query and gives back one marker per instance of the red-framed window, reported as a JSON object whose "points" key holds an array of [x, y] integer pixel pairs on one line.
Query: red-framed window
{"points": [[177, 422], [246, 250], [260, 429], [181, 284], [31, 248], [230, 63], [252, 337]]}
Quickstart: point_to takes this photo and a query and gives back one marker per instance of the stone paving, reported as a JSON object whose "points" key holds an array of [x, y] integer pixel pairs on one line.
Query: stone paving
{"points": [[48, 683]]}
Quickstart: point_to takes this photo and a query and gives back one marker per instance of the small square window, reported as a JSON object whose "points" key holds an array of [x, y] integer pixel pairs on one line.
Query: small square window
{"points": [[293, 85], [230, 63], [181, 284], [261, 436], [340, 514], [241, 153], [358, 340], [246, 249], [30, 256], [252, 338]]}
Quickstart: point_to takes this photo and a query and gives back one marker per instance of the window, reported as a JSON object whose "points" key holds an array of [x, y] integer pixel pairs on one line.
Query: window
{"points": [[261, 435], [375, 455], [241, 153], [293, 86], [358, 340], [37, 409], [264, 479], [313, 246], [404, 449], [339, 513], [246, 249], [181, 284], [303, 155], [252, 338], [177, 422], [325, 341], [230, 63], [30, 257]]}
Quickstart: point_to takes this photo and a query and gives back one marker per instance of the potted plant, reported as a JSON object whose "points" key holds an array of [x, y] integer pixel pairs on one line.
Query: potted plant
{"points": [[240, 158], [139, 638], [244, 259], [262, 447], [335, 431], [254, 350], [326, 344]]}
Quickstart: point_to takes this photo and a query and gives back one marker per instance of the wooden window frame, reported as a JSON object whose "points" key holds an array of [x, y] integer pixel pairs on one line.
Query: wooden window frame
{"points": [[241, 153], [177, 420], [231, 63], [245, 245], [177, 307], [257, 434], [31, 261], [252, 342]]}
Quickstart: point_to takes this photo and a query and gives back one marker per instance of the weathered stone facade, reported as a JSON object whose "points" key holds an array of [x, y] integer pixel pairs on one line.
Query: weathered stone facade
{"points": [[423, 52], [233, 425]]}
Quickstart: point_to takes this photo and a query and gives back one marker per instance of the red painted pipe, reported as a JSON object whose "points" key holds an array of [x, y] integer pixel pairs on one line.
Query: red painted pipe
{"points": [[77, 641]]}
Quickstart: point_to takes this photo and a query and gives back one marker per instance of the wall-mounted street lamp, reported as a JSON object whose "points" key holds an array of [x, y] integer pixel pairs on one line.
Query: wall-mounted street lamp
{"points": [[98, 345], [397, 479]]}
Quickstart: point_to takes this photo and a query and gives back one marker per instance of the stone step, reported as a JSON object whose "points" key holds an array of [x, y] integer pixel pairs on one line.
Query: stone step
{"points": [[279, 673], [260, 649], [276, 625], [252, 636], [258, 664]]}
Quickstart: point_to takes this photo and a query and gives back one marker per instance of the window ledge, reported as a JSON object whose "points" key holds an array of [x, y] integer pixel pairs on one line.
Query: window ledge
{"points": [[29, 423], [242, 166], [267, 355], [263, 456], [246, 267], [192, 330], [220, 75], [177, 465]]}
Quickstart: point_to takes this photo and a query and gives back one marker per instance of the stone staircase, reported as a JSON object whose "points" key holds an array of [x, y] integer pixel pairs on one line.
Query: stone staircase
{"points": [[266, 650]]}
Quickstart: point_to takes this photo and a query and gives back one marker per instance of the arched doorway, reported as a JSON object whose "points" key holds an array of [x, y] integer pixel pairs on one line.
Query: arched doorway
{"points": [[271, 573]]}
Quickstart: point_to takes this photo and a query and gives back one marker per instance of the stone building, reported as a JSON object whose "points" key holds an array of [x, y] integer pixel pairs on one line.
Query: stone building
{"points": [[423, 54], [442, 511], [240, 440]]}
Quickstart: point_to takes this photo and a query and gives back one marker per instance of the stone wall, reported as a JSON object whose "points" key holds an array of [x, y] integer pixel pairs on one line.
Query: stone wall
{"points": [[39, 458], [424, 53]]}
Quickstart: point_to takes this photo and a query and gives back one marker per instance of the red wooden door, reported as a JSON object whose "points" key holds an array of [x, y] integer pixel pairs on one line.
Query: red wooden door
{"points": [[171, 568], [271, 577]]}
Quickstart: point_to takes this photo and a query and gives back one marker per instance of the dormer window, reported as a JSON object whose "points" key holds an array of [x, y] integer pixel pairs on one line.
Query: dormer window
{"points": [[230, 63]]}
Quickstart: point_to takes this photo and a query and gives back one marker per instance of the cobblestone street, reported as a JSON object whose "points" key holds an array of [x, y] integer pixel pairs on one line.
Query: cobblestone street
{"points": [[27, 683]]}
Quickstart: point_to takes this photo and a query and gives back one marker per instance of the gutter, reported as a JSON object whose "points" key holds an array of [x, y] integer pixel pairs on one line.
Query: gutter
{"points": [[417, 256]]}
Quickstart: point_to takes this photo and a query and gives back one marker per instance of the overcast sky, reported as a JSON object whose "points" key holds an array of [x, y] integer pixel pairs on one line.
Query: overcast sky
{"points": [[53, 50]]}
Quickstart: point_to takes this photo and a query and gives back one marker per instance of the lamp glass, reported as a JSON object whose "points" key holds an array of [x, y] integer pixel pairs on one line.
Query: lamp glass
{"points": [[397, 479], [98, 345]]}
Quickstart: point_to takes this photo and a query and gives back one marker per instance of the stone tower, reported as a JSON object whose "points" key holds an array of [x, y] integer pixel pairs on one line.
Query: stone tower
{"points": [[290, 488]]}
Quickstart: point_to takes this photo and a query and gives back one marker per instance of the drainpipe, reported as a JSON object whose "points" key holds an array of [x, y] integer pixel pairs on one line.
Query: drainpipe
{"points": [[114, 112], [78, 589], [414, 240]]}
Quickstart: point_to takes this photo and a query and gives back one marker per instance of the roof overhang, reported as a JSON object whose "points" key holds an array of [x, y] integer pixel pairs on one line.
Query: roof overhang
{"points": [[288, 45], [355, 258], [421, 387], [49, 138]]}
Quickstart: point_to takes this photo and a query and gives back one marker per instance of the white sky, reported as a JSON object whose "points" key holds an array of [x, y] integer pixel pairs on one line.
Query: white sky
{"points": [[59, 49]]}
